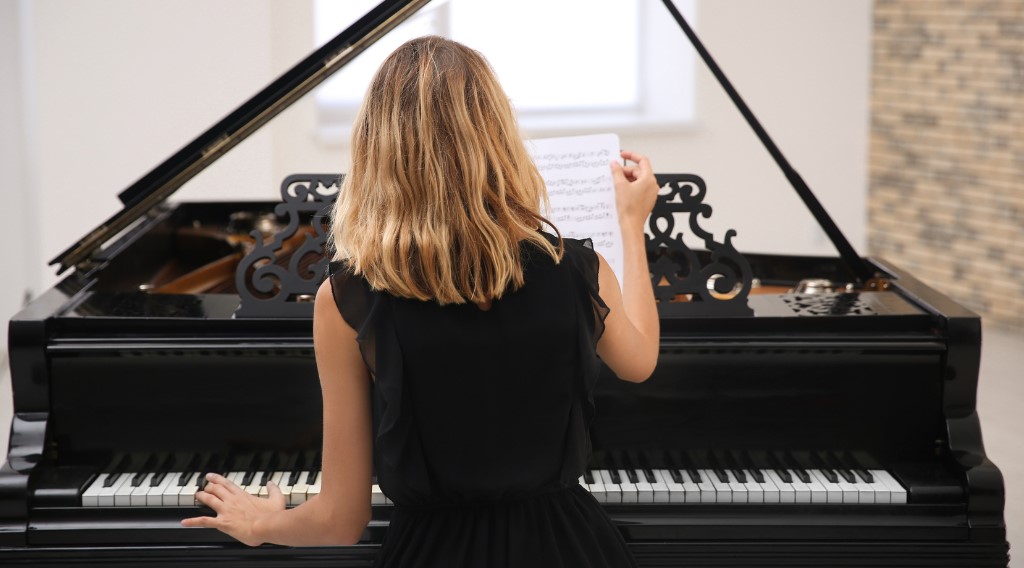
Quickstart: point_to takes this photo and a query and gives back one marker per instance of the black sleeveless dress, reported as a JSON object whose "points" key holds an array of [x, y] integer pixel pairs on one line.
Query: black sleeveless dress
{"points": [[481, 419]]}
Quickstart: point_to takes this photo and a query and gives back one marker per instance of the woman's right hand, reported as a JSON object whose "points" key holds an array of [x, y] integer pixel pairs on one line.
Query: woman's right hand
{"points": [[636, 190]]}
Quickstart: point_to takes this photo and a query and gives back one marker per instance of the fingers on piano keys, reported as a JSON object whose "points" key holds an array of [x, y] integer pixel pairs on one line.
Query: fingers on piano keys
{"points": [[671, 477], [173, 479]]}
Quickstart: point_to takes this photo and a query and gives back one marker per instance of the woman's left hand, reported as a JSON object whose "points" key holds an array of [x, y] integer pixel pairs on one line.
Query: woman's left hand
{"points": [[237, 511]]}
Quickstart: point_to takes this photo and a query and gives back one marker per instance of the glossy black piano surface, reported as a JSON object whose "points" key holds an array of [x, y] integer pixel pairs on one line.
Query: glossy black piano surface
{"points": [[835, 427]]}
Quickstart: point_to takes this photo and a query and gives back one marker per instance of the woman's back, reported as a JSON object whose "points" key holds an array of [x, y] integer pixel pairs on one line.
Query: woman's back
{"points": [[481, 418]]}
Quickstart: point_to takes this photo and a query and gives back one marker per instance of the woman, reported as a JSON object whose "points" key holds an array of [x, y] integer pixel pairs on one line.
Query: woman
{"points": [[457, 344]]}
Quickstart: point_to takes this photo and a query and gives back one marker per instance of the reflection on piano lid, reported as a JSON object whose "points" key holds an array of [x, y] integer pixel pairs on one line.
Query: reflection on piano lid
{"points": [[779, 420]]}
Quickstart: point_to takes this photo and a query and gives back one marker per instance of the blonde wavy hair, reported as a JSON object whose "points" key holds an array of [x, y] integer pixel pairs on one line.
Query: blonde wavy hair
{"points": [[441, 191]]}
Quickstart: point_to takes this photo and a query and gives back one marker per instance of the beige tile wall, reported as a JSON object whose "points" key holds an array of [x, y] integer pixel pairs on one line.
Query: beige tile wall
{"points": [[947, 153]]}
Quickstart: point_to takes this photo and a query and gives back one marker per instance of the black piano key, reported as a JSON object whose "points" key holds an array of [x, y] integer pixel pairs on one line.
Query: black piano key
{"points": [[716, 468], [588, 477], [613, 468], [846, 474], [840, 467], [857, 467], [733, 466], [247, 478], [191, 467], [254, 465], [314, 470], [690, 467], [673, 467], [162, 470], [747, 462], [865, 475], [146, 469], [819, 464], [616, 478], [645, 467], [116, 470], [630, 467], [297, 469], [796, 468], [216, 464], [779, 468], [269, 470]]}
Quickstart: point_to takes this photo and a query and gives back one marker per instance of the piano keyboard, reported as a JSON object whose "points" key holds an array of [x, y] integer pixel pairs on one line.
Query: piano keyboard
{"points": [[173, 480]]}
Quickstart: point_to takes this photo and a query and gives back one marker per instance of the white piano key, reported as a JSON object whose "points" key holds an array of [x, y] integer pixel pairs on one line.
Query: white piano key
{"points": [[834, 494], [123, 495], [865, 493], [850, 493], [286, 486], [106, 496], [169, 496], [276, 479], [674, 490], [739, 489], [236, 477], [880, 489], [815, 489], [644, 489], [91, 496], [376, 494], [628, 488], [786, 491], [723, 491], [138, 495], [155, 496], [299, 490], [314, 489], [187, 495], [897, 494], [755, 490], [254, 484], [612, 492], [708, 489], [769, 490], [597, 487], [659, 488]]}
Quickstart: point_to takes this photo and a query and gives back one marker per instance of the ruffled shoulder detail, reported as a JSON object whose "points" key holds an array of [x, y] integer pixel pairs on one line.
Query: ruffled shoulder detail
{"points": [[582, 257], [355, 301], [583, 267], [369, 312]]}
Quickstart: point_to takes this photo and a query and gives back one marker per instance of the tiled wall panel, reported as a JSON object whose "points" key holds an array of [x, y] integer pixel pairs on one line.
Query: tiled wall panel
{"points": [[947, 148]]}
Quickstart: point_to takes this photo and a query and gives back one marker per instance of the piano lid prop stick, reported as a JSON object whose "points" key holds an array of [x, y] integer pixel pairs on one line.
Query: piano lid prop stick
{"points": [[853, 261]]}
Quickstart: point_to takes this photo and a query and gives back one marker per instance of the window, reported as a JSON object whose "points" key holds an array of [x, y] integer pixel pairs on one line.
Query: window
{"points": [[567, 65]]}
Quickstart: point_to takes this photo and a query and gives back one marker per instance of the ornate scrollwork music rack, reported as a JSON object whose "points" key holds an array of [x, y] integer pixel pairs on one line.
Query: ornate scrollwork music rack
{"points": [[277, 280], [683, 285], [279, 277]]}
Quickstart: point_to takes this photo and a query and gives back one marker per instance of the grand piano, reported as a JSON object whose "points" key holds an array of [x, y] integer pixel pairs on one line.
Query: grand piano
{"points": [[804, 410]]}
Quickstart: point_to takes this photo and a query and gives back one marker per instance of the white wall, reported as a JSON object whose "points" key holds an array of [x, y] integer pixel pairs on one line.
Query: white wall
{"points": [[803, 66], [116, 86], [14, 188], [120, 85]]}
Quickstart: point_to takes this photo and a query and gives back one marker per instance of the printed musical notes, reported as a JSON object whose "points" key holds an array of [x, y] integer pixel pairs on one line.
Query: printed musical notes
{"points": [[579, 182]]}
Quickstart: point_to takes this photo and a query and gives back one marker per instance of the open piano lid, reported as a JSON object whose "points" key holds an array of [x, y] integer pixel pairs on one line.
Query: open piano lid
{"points": [[156, 186], [160, 183]]}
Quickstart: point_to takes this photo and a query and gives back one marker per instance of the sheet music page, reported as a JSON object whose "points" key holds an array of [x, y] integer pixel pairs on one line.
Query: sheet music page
{"points": [[579, 181]]}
